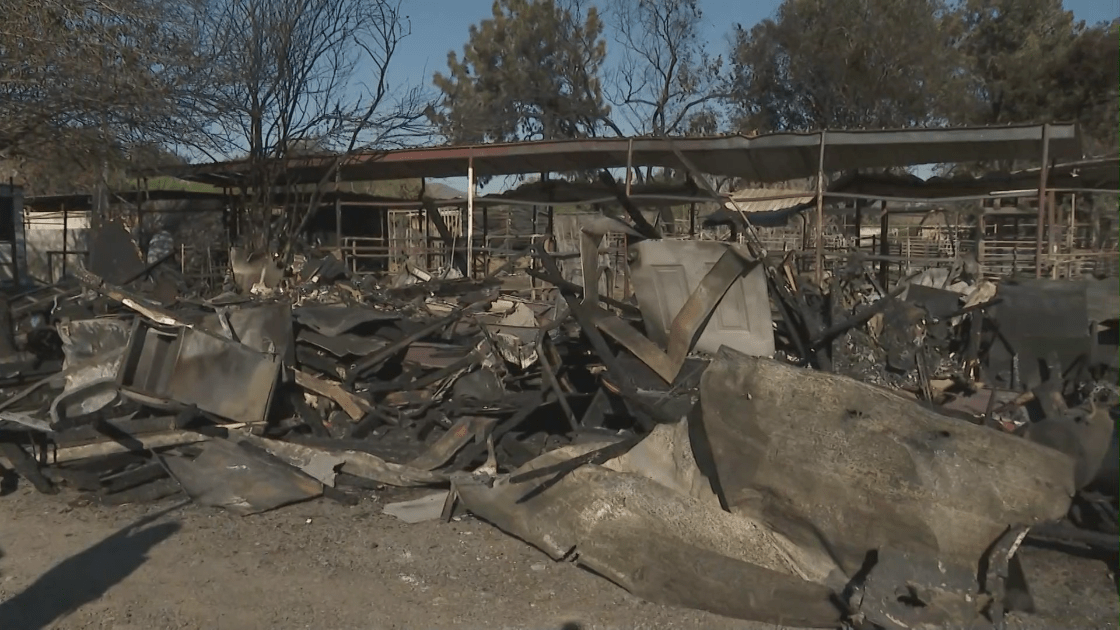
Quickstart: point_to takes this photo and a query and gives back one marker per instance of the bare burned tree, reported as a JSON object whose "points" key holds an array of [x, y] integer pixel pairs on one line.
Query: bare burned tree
{"points": [[667, 83], [93, 75], [294, 70]]}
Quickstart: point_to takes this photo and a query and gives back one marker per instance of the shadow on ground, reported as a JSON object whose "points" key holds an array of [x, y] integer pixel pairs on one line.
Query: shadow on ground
{"points": [[86, 576], [1110, 558]]}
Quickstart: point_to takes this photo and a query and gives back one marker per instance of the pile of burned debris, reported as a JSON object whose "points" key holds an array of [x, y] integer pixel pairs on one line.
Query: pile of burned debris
{"points": [[734, 438]]}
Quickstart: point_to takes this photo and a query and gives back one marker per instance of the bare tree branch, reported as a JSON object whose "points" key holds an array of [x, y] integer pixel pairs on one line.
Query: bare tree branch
{"points": [[666, 82], [300, 73]]}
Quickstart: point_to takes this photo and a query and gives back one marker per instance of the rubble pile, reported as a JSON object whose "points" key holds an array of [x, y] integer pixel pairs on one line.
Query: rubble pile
{"points": [[735, 438]]}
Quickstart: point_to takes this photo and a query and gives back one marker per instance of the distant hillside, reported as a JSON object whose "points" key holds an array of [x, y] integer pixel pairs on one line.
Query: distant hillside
{"points": [[166, 182], [396, 189], [442, 191]]}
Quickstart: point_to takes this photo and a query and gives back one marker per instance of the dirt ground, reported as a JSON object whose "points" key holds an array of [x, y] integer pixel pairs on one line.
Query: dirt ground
{"points": [[330, 567]]}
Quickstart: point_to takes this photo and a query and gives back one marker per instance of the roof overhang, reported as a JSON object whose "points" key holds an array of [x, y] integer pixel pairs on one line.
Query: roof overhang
{"points": [[768, 158]]}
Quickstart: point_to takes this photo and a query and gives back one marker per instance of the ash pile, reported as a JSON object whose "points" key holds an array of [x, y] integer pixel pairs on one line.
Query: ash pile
{"points": [[734, 437]]}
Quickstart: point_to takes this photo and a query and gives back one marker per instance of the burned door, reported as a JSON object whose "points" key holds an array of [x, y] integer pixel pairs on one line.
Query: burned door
{"points": [[665, 273]]}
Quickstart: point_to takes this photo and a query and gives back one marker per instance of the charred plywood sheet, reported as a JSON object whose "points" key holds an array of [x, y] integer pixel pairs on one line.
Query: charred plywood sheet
{"points": [[666, 273]]}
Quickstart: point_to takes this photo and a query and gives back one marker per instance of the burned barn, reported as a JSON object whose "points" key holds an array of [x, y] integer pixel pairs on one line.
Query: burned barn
{"points": [[848, 403]]}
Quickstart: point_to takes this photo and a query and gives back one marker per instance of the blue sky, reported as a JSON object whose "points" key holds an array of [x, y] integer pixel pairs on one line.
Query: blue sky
{"points": [[441, 26]]}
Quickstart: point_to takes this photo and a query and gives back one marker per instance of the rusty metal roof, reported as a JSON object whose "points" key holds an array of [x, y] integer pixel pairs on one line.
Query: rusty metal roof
{"points": [[767, 158]]}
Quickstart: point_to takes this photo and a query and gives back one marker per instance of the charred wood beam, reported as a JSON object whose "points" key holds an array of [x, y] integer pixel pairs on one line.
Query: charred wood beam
{"points": [[407, 382], [133, 478], [105, 465], [374, 360], [554, 383], [145, 443], [585, 316], [530, 402], [564, 285], [90, 434], [862, 317], [27, 467], [147, 270], [310, 417], [597, 456], [375, 418], [640, 223], [353, 405]]}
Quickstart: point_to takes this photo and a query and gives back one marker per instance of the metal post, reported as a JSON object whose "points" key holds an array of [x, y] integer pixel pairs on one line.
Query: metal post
{"points": [[138, 228], [981, 228], [692, 220], [884, 248], [1043, 172], [1052, 222], [1070, 233], [485, 241], [427, 217], [820, 213], [629, 164], [19, 237], [859, 226], [470, 217], [65, 237], [338, 213]]}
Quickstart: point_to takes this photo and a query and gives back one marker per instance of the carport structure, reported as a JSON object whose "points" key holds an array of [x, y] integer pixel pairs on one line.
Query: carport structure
{"points": [[759, 159]]}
